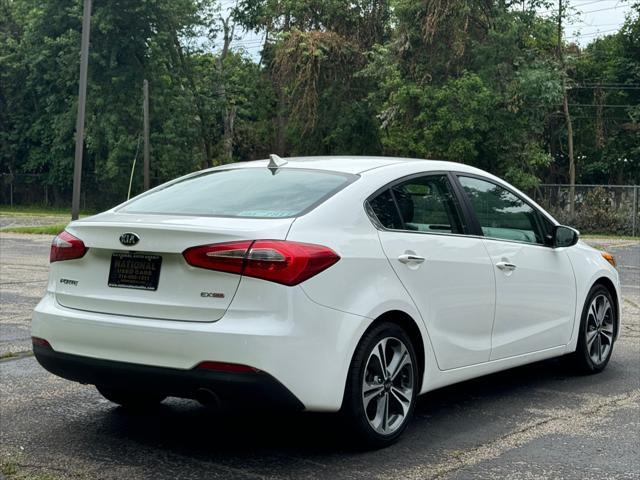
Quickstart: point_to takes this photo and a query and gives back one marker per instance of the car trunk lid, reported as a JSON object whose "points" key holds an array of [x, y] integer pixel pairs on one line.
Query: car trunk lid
{"points": [[181, 292]]}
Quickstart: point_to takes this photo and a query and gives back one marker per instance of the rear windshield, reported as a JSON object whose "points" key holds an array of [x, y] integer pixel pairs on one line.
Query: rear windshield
{"points": [[244, 192]]}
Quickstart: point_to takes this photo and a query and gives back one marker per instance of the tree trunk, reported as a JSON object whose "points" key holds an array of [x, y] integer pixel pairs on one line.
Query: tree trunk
{"points": [[229, 112], [206, 161], [567, 115], [281, 115], [227, 141], [281, 121], [597, 94], [572, 163]]}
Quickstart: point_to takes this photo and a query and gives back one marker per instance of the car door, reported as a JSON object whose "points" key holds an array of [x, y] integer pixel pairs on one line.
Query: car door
{"points": [[535, 284], [447, 273]]}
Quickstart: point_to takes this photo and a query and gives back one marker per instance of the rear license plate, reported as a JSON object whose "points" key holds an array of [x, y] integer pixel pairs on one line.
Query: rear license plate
{"points": [[135, 270]]}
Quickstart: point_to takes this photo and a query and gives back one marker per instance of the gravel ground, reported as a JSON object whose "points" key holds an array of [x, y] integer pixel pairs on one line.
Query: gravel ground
{"points": [[535, 422]]}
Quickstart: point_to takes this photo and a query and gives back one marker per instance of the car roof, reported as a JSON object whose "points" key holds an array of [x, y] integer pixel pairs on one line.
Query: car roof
{"points": [[354, 164]]}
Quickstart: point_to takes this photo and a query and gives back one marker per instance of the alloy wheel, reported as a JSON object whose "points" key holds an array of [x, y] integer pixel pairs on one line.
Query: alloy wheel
{"points": [[388, 386], [599, 336]]}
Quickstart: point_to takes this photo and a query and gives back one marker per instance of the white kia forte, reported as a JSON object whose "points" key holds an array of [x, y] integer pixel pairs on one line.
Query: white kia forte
{"points": [[321, 284]]}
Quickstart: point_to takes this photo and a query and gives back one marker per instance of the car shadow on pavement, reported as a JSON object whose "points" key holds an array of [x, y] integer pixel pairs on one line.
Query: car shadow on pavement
{"points": [[186, 428]]}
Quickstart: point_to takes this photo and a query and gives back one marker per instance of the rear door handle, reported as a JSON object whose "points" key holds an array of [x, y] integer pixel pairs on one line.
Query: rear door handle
{"points": [[506, 266], [407, 258]]}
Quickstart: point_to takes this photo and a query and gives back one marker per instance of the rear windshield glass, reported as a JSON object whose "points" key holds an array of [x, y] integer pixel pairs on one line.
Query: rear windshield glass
{"points": [[244, 192]]}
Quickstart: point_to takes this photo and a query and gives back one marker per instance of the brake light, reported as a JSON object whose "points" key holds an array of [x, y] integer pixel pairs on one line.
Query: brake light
{"points": [[280, 261], [66, 247]]}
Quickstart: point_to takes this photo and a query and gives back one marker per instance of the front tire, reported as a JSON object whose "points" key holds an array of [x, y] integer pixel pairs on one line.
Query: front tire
{"points": [[597, 331], [130, 399], [382, 386]]}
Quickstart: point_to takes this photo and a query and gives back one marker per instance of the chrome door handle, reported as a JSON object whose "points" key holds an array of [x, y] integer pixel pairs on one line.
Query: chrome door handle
{"points": [[505, 266], [406, 258]]}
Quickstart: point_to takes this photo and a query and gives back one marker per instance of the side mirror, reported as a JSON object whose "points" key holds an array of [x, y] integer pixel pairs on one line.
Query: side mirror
{"points": [[564, 236]]}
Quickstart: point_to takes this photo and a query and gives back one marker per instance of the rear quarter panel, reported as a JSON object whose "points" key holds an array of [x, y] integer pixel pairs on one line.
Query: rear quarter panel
{"points": [[363, 282]]}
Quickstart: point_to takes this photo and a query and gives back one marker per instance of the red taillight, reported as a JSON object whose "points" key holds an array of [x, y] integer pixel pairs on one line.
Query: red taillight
{"points": [[223, 257], [40, 342], [280, 261], [66, 247], [288, 263], [226, 367]]}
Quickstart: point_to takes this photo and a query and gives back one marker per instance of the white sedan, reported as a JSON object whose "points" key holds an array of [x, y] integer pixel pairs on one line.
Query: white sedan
{"points": [[321, 284]]}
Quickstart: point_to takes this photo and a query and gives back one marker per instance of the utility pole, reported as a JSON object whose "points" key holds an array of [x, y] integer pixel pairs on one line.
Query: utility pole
{"points": [[82, 100], [145, 108], [567, 116], [598, 97]]}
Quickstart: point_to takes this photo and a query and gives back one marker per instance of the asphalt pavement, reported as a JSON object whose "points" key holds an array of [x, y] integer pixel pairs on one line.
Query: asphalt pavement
{"points": [[535, 422]]}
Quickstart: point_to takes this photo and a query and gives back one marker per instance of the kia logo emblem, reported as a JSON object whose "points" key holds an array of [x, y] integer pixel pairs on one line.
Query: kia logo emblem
{"points": [[129, 239]]}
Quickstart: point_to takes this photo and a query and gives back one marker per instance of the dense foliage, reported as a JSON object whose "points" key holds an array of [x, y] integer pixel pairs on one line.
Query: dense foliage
{"points": [[478, 82]]}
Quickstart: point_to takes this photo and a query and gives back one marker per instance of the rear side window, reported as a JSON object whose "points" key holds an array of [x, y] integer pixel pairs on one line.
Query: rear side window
{"points": [[423, 204], [384, 208], [244, 192]]}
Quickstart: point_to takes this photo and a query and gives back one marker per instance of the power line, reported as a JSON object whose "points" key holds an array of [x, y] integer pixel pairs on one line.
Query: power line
{"points": [[580, 105], [593, 83], [553, 12], [615, 105], [601, 87], [604, 9], [578, 35], [584, 4], [593, 25]]}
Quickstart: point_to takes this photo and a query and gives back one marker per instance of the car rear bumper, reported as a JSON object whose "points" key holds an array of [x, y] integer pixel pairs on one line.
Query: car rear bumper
{"points": [[303, 346], [237, 389]]}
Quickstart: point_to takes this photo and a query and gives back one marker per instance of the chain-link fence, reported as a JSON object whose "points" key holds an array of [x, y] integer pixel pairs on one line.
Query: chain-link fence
{"points": [[603, 209], [599, 209], [35, 190]]}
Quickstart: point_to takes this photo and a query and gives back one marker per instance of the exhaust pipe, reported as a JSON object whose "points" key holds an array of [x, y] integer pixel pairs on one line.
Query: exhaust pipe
{"points": [[208, 398]]}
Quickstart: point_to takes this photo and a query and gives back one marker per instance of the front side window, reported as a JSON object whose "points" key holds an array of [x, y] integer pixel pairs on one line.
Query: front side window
{"points": [[503, 215], [244, 192], [422, 204]]}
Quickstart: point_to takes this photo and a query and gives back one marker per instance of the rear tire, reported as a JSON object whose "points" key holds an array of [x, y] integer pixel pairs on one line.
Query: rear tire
{"points": [[382, 386], [130, 399], [597, 332]]}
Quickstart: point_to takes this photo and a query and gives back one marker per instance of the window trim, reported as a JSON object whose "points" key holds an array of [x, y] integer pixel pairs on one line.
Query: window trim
{"points": [[464, 212], [476, 222]]}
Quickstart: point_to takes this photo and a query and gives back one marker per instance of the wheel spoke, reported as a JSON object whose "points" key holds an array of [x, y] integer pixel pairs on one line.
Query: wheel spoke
{"points": [[373, 391], [604, 309], [383, 356], [607, 336], [599, 347], [593, 313], [608, 328], [591, 336], [386, 411], [375, 354], [399, 364], [599, 309], [382, 412], [402, 399], [593, 353]]}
